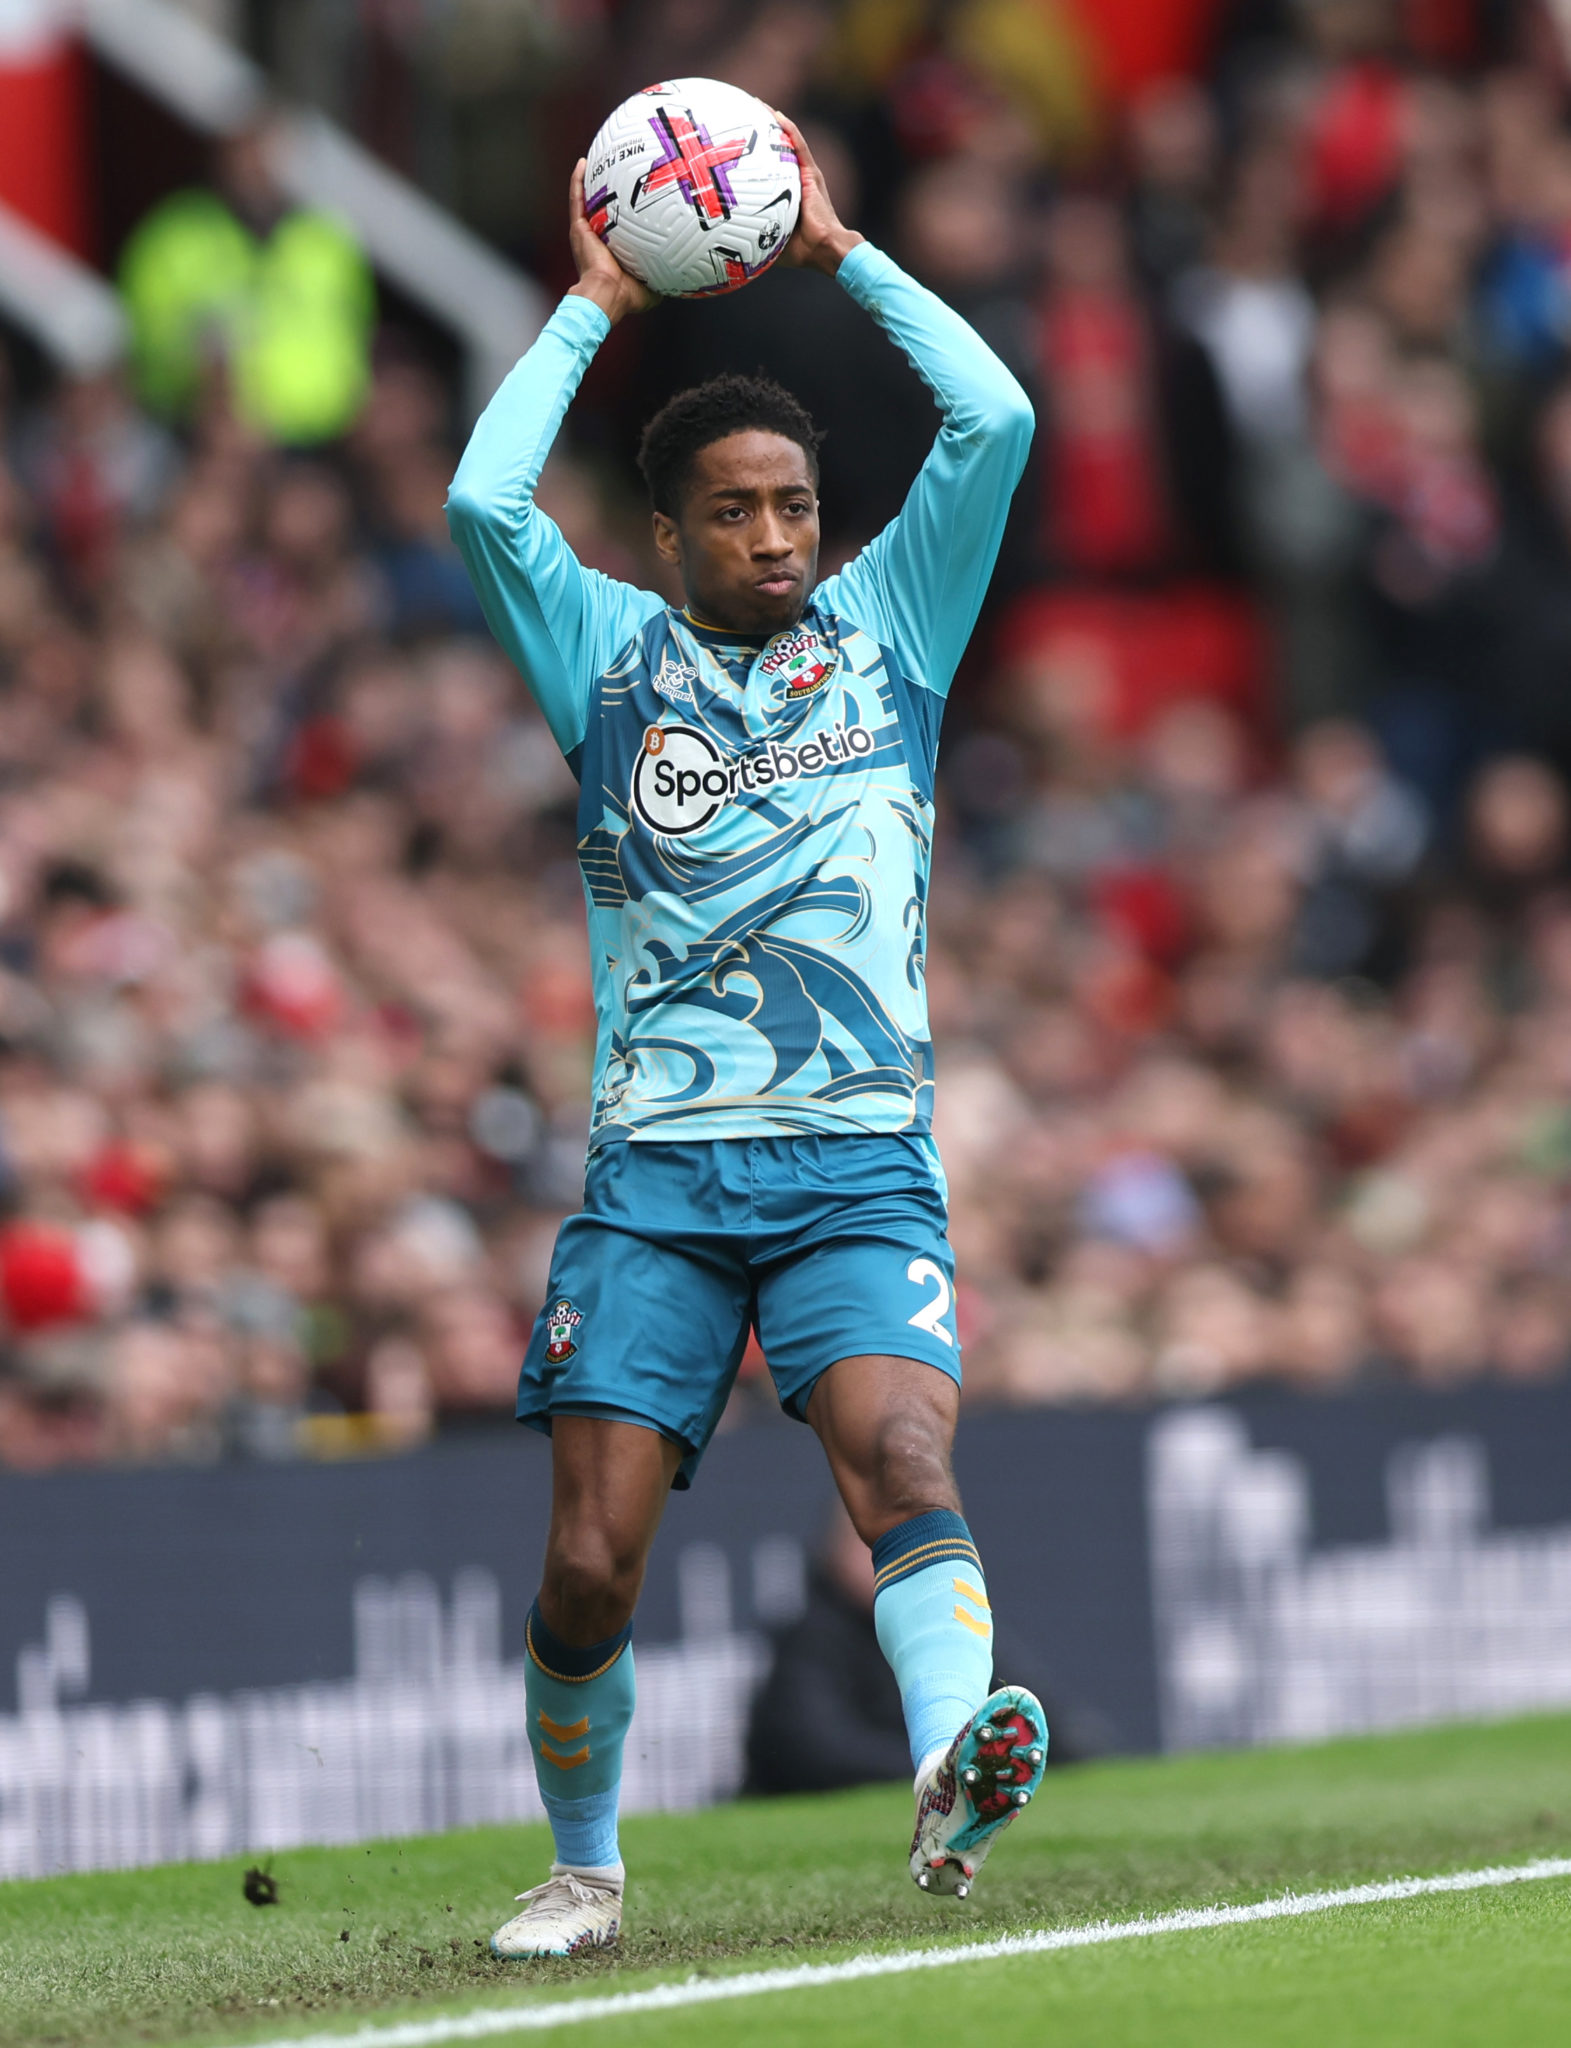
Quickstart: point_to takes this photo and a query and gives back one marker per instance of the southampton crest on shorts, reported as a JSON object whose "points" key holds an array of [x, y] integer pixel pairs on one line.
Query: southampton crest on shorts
{"points": [[562, 1319], [801, 660]]}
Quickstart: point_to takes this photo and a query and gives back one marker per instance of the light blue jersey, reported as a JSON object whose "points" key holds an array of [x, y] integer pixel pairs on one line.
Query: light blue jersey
{"points": [[755, 820]]}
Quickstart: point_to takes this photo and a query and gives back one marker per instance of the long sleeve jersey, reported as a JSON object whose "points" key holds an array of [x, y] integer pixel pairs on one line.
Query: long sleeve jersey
{"points": [[755, 818]]}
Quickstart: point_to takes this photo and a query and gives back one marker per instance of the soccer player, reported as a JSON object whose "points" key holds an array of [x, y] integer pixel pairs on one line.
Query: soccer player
{"points": [[755, 823]]}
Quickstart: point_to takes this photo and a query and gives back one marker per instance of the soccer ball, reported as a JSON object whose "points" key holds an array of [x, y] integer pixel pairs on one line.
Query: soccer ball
{"points": [[693, 186]]}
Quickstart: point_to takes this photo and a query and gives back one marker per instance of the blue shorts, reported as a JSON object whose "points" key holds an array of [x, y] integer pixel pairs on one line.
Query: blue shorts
{"points": [[830, 1248]]}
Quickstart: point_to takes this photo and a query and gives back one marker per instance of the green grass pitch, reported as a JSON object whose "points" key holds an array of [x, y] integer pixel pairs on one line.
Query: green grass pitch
{"points": [[177, 1954]]}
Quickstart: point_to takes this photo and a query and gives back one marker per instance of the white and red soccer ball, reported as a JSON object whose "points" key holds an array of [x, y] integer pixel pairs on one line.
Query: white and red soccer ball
{"points": [[693, 186]]}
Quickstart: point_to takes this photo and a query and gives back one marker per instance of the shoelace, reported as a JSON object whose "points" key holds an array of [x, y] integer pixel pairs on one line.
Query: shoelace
{"points": [[563, 1890]]}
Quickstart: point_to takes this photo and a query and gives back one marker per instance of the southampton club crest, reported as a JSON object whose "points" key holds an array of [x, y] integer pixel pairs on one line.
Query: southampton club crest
{"points": [[562, 1319], [801, 661]]}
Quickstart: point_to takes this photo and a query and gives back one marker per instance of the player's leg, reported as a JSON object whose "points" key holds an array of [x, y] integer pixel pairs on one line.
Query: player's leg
{"points": [[873, 1302], [628, 1367], [887, 1425], [610, 1482], [856, 1319], [609, 1485]]}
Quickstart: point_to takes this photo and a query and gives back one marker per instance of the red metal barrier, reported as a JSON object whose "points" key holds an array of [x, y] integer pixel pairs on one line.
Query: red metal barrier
{"points": [[43, 134]]}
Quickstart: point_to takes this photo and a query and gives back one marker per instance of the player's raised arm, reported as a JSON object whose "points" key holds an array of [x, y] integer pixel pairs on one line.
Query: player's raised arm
{"points": [[919, 586], [560, 622]]}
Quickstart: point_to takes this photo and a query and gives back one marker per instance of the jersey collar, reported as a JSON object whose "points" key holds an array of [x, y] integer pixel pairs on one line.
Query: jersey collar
{"points": [[722, 639]]}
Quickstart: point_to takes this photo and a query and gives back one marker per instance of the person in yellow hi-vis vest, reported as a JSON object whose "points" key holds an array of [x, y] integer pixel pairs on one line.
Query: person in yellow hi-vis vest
{"points": [[281, 297]]}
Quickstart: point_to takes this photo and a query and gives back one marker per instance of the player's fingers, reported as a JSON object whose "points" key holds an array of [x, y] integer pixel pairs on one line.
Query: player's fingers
{"points": [[804, 154], [575, 194]]}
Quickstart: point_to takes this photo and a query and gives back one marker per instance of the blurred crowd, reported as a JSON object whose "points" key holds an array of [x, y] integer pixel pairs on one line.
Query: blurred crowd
{"points": [[1250, 946], [295, 1019]]}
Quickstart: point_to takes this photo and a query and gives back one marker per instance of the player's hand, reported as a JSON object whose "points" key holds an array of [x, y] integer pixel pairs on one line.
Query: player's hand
{"points": [[820, 241], [600, 277]]}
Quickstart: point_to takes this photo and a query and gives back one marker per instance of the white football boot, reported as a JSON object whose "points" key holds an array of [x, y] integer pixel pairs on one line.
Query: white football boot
{"points": [[974, 1790], [568, 1912]]}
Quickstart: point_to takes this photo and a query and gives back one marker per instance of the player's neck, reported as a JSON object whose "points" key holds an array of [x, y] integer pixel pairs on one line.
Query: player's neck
{"points": [[755, 635], [694, 617]]}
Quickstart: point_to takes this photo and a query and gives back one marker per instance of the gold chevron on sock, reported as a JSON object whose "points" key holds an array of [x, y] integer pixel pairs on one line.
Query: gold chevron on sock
{"points": [[559, 1733], [565, 1763]]}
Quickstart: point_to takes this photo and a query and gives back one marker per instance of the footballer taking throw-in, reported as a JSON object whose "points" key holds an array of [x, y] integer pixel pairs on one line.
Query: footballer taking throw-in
{"points": [[755, 821]]}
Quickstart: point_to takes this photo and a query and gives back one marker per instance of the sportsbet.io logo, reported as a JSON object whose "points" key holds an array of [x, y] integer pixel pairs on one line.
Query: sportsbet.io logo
{"points": [[681, 780]]}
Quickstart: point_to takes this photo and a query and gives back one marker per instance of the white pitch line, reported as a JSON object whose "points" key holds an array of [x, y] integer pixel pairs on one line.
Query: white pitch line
{"points": [[534, 2019]]}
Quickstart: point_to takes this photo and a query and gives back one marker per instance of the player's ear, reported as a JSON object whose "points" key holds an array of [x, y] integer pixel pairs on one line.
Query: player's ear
{"points": [[668, 539]]}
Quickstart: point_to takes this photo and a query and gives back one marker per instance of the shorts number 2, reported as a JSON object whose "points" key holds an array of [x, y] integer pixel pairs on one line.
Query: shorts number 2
{"points": [[930, 1315]]}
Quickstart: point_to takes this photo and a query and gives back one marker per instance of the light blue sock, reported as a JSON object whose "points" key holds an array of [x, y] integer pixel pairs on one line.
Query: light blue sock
{"points": [[934, 1625], [580, 1703]]}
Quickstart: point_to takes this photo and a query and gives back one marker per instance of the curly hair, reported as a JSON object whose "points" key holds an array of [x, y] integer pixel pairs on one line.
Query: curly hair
{"points": [[689, 422]]}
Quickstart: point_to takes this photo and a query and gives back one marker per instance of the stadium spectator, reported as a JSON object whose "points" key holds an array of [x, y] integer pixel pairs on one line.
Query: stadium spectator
{"points": [[232, 283]]}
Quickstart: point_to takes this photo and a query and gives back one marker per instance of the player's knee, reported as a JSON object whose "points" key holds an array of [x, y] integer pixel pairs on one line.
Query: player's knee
{"points": [[589, 1585], [908, 1474], [915, 1489]]}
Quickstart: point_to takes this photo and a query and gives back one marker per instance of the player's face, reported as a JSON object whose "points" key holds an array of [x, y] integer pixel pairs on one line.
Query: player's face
{"points": [[746, 538]]}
